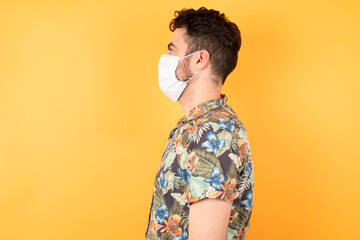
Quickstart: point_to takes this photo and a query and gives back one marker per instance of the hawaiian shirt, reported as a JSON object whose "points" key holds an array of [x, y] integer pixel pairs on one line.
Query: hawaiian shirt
{"points": [[207, 156]]}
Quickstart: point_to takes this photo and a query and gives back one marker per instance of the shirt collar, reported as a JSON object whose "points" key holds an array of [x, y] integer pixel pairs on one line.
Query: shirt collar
{"points": [[203, 108]]}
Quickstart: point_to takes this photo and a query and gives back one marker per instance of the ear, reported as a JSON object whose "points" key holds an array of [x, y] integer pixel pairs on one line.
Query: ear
{"points": [[202, 60]]}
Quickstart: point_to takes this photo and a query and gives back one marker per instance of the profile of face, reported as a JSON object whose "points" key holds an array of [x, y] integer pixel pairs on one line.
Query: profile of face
{"points": [[178, 47]]}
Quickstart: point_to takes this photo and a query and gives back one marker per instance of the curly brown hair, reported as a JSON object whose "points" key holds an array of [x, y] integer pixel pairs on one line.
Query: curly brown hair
{"points": [[210, 30]]}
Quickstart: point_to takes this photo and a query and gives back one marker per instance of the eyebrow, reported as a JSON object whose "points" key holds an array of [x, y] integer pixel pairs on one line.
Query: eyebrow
{"points": [[171, 44]]}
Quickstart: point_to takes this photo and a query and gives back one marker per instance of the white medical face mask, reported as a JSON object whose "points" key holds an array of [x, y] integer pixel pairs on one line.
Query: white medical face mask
{"points": [[168, 82]]}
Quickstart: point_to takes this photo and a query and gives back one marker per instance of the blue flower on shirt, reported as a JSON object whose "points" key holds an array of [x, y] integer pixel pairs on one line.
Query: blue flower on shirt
{"points": [[184, 236], [248, 168], [213, 144], [162, 181], [216, 178], [248, 201], [184, 174], [162, 213], [227, 124]]}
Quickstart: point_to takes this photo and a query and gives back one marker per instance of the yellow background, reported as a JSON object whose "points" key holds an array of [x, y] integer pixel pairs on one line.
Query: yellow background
{"points": [[83, 122]]}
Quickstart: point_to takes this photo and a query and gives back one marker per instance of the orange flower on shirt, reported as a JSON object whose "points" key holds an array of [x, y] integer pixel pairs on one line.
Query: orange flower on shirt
{"points": [[190, 197], [189, 158], [191, 162], [220, 115], [191, 127], [151, 225], [197, 112], [171, 225], [228, 191], [242, 147]]}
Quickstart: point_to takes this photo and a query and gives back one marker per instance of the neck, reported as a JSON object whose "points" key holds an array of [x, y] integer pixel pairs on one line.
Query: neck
{"points": [[190, 98]]}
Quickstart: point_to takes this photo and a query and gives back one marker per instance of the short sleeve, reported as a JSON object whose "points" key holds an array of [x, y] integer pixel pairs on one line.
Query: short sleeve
{"points": [[215, 161]]}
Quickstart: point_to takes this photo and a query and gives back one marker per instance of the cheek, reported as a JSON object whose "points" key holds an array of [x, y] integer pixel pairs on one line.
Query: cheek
{"points": [[183, 69], [180, 71]]}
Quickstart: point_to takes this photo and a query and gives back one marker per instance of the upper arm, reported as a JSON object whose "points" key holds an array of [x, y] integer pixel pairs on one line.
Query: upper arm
{"points": [[214, 163], [208, 219]]}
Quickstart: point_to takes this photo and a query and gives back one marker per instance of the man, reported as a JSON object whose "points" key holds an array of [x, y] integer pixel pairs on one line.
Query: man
{"points": [[204, 185]]}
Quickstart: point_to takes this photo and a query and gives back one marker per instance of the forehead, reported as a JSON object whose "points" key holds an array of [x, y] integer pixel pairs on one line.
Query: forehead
{"points": [[179, 38]]}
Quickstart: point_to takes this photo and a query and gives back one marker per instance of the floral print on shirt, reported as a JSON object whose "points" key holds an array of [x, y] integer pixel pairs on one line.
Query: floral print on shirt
{"points": [[207, 156]]}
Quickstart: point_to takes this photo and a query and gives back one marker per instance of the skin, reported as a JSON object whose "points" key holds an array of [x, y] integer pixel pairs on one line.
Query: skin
{"points": [[201, 88], [208, 218]]}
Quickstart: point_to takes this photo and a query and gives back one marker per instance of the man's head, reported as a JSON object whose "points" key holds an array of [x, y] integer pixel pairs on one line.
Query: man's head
{"points": [[211, 32]]}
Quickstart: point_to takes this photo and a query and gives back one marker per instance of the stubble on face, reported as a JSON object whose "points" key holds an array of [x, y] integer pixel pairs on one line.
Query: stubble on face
{"points": [[179, 38], [183, 70]]}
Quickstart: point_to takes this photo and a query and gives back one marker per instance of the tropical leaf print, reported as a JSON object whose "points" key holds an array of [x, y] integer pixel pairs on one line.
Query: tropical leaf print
{"points": [[234, 145], [179, 198], [197, 186], [177, 183], [169, 160], [207, 156], [214, 126], [230, 233], [200, 130], [169, 176], [202, 168], [226, 137], [243, 135], [183, 158], [185, 221], [236, 160], [245, 180], [203, 155]]}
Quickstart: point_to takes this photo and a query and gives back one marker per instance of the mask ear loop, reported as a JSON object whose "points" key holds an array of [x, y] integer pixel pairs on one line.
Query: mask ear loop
{"points": [[190, 54], [196, 71], [192, 76]]}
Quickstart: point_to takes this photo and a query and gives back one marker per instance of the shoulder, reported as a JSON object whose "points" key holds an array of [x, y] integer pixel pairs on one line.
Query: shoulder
{"points": [[222, 119], [216, 127], [218, 131]]}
